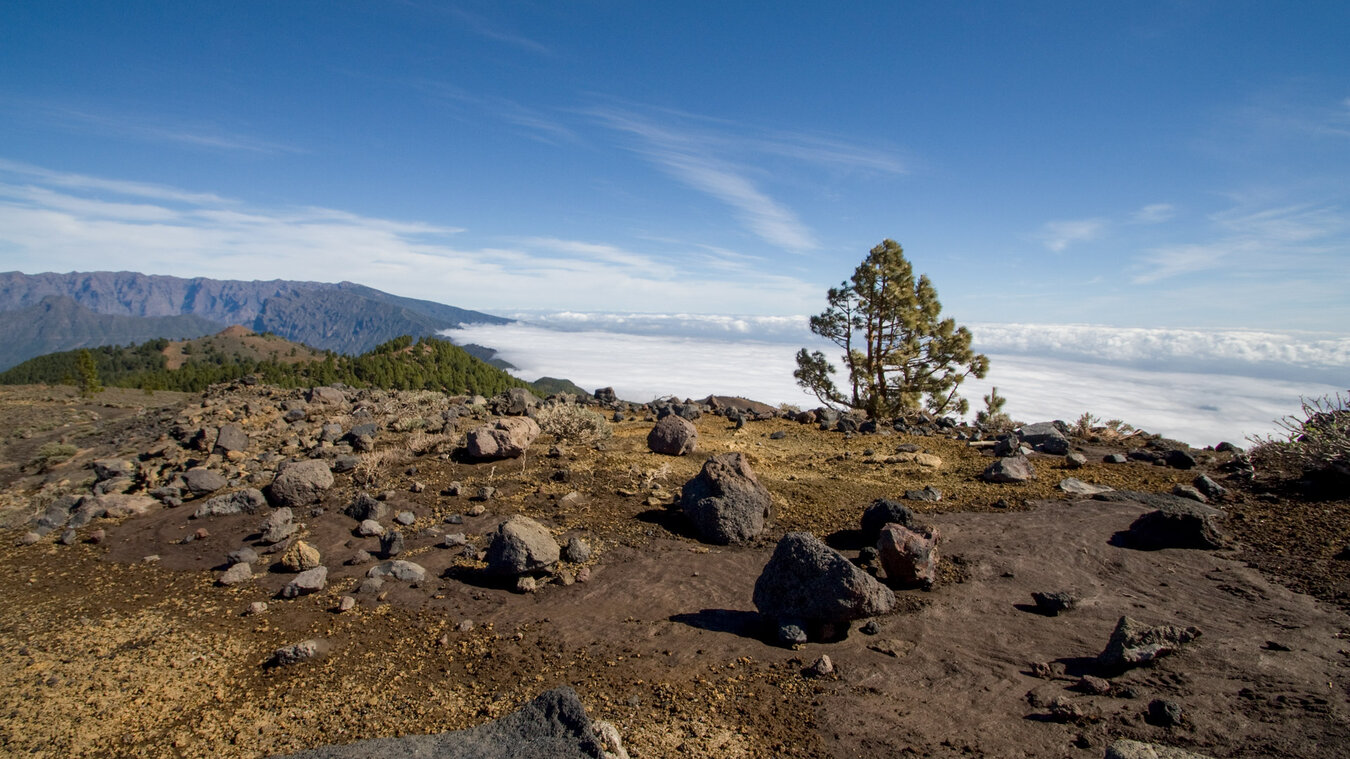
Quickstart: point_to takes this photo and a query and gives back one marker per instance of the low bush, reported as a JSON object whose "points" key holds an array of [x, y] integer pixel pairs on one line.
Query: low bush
{"points": [[569, 423], [1315, 442], [51, 454]]}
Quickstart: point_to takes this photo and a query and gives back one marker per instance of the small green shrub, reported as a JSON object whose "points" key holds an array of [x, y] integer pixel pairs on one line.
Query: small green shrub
{"points": [[570, 423], [51, 454]]}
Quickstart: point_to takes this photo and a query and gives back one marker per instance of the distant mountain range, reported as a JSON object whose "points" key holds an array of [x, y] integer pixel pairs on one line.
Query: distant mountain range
{"points": [[46, 313]]}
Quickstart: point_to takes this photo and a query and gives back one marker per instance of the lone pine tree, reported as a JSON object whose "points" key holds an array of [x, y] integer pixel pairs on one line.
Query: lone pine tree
{"points": [[900, 356]]}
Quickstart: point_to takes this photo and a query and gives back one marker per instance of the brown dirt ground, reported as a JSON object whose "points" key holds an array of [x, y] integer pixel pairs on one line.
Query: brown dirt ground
{"points": [[103, 654]]}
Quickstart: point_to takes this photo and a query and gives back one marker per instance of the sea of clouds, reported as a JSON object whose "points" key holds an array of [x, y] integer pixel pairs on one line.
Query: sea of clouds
{"points": [[1199, 386]]}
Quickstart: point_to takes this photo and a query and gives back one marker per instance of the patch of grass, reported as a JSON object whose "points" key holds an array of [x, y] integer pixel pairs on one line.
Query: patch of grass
{"points": [[50, 454], [569, 423]]}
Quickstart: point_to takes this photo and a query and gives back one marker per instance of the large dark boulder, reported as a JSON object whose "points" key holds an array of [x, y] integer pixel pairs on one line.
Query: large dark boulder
{"points": [[725, 501], [521, 545], [673, 436], [1009, 469], [808, 582], [1046, 437], [552, 726], [882, 512]]}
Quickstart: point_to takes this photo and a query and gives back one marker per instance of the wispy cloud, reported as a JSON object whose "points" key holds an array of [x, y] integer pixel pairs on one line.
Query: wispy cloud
{"points": [[1059, 235], [1256, 241], [696, 163], [148, 127], [53, 221], [491, 30], [539, 124], [1154, 213]]}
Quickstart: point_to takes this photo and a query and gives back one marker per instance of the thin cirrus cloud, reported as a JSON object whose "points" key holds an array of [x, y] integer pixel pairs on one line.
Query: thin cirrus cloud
{"points": [[147, 127], [1154, 213], [53, 221], [1059, 235]]}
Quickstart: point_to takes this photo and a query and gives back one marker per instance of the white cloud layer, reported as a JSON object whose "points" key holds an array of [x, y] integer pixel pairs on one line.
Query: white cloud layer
{"points": [[645, 356]]}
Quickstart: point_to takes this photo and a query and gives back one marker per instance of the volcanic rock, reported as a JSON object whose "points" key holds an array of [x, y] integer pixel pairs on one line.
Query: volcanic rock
{"points": [[909, 556], [673, 436], [521, 545], [1009, 469], [725, 501], [1133, 643], [509, 438], [300, 483], [807, 582]]}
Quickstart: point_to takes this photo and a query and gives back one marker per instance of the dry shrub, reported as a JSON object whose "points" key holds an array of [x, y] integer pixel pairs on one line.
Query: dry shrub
{"points": [[573, 424], [51, 454], [368, 471], [1318, 442], [421, 443]]}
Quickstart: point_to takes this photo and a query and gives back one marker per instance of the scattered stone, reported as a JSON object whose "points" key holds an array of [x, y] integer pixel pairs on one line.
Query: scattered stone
{"points": [[1179, 459], [1074, 486], [67, 538], [300, 557], [391, 544], [230, 439], [199, 480], [360, 557], [109, 469], [509, 438], [278, 526], [298, 652], [908, 555], [327, 395], [1178, 525], [1064, 709], [366, 507], [300, 483], [405, 518], [486, 493], [97, 536], [526, 584], [1009, 469], [791, 634], [584, 575], [346, 604], [369, 528], [807, 582], [822, 667], [1045, 437], [308, 581], [1054, 604], [571, 499], [521, 545], [236, 574], [577, 550], [777, 435], [1133, 643], [929, 494], [1115, 458], [725, 501], [1164, 713], [673, 436], [1075, 460], [399, 569], [455, 540], [244, 555], [927, 460], [1212, 490], [1189, 492], [255, 608], [882, 512], [246, 501], [347, 462], [1094, 686], [478, 509]]}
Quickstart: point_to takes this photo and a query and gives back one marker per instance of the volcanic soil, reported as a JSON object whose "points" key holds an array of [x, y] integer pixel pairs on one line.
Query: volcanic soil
{"points": [[127, 647]]}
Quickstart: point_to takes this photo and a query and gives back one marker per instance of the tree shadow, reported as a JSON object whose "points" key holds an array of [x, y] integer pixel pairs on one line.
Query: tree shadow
{"points": [[746, 624]]}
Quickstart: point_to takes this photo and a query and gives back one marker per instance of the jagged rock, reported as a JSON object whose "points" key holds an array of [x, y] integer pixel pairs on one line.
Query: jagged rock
{"points": [[245, 501], [577, 550], [1179, 524], [308, 581], [1124, 748], [391, 544], [1009, 469], [526, 584], [301, 556], [346, 604], [278, 526], [1164, 713], [521, 545], [199, 480], [300, 483], [929, 494], [369, 528], [1188, 492], [509, 438], [1211, 489], [346, 463], [405, 518], [366, 507], [238, 573], [909, 556], [1115, 458], [1075, 486], [298, 652], [1133, 643], [725, 501], [1053, 604], [514, 402], [807, 582], [822, 667], [107, 469], [552, 726], [882, 512], [1075, 460], [1045, 437], [398, 569], [1010, 446], [673, 436], [231, 438], [115, 506]]}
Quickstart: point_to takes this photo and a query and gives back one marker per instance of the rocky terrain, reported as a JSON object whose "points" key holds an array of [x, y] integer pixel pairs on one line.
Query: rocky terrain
{"points": [[256, 572]]}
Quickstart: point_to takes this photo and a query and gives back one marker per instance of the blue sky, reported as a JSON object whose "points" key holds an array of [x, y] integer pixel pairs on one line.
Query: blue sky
{"points": [[1150, 164]]}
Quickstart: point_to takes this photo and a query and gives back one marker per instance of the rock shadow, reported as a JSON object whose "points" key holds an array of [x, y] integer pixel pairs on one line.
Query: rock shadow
{"points": [[672, 520], [746, 624], [846, 540]]}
